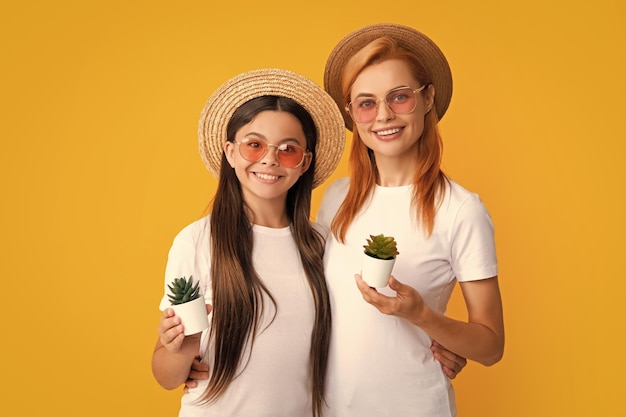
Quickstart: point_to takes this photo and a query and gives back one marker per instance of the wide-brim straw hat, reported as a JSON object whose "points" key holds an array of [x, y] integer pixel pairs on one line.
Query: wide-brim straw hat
{"points": [[408, 38], [219, 109]]}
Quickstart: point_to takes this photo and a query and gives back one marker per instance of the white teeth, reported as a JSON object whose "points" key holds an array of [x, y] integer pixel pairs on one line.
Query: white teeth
{"points": [[266, 176], [389, 131]]}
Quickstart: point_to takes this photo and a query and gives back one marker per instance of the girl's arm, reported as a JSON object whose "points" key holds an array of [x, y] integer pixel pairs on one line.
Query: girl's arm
{"points": [[481, 338], [451, 363], [174, 352]]}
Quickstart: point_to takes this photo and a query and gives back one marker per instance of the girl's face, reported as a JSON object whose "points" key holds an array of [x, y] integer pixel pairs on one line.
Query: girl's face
{"points": [[268, 178], [390, 134]]}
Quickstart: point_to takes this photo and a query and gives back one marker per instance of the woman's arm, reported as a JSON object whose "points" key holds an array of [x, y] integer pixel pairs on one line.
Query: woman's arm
{"points": [[481, 338]]}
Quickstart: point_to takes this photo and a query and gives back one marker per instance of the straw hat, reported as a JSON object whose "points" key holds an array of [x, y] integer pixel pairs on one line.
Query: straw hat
{"points": [[408, 38], [219, 108]]}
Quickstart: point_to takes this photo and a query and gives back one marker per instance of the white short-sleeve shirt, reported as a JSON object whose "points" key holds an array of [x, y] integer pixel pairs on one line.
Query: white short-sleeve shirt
{"points": [[275, 381], [382, 365]]}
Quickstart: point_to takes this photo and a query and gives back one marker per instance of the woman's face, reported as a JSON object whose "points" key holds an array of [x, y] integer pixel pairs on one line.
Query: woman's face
{"points": [[267, 178], [390, 134]]}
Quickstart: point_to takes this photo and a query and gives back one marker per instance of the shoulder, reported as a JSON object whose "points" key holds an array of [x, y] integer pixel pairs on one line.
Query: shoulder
{"points": [[194, 232], [456, 192], [461, 206], [320, 228], [337, 189], [336, 192], [334, 195], [340, 183], [457, 197]]}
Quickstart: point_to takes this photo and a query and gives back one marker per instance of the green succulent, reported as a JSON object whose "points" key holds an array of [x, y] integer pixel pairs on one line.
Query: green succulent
{"points": [[381, 247], [183, 290]]}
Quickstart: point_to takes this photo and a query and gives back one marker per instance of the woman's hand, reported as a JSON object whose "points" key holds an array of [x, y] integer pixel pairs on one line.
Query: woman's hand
{"points": [[480, 339], [407, 303], [199, 371]]}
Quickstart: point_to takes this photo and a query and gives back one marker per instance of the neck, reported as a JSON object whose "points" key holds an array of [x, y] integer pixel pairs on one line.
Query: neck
{"points": [[395, 171], [268, 214]]}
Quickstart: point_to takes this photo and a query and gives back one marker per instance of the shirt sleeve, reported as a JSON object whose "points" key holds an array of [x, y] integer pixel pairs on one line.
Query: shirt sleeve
{"points": [[473, 251], [189, 256]]}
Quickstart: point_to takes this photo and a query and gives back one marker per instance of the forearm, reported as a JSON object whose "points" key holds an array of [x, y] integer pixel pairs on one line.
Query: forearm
{"points": [[475, 341], [171, 369], [481, 338]]}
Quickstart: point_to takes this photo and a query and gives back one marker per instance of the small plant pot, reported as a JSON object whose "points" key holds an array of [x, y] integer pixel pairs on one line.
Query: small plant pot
{"points": [[193, 315], [376, 271]]}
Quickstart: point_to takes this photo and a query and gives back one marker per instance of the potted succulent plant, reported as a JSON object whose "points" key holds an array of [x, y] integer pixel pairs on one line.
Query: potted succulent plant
{"points": [[188, 304], [380, 256]]}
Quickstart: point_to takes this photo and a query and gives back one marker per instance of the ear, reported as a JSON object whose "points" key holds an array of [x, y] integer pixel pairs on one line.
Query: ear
{"points": [[306, 163], [429, 98], [229, 151]]}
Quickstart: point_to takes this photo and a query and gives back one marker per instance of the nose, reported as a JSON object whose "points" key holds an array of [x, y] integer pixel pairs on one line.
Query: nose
{"points": [[384, 113], [271, 156]]}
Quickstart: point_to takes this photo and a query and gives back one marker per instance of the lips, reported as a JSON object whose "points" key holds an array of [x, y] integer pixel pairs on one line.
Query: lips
{"points": [[266, 177], [388, 132]]}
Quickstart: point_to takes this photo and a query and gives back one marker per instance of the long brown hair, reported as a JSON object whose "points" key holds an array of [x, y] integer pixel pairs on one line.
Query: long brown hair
{"points": [[237, 288], [429, 180]]}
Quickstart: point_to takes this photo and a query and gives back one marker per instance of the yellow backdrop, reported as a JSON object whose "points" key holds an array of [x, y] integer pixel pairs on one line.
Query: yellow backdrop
{"points": [[100, 168]]}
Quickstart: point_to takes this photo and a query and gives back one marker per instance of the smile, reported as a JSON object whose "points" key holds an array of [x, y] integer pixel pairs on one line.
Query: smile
{"points": [[266, 176], [388, 131]]}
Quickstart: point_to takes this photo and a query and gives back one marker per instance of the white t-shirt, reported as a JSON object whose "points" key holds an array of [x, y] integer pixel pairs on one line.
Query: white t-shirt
{"points": [[382, 365], [276, 379]]}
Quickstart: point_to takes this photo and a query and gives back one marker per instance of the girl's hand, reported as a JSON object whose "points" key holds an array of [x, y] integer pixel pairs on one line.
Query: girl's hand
{"points": [[171, 332], [451, 363], [407, 303]]}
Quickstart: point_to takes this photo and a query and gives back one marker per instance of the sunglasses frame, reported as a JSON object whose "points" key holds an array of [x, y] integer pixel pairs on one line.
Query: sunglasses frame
{"points": [[244, 141], [377, 101]]}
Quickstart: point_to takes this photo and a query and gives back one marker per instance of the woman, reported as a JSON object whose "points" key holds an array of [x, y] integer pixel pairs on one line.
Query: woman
{"points": [[272, 135], [394, 85]]}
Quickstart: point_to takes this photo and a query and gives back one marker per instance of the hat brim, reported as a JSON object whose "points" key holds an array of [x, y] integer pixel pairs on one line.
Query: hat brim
{"points": [[242, 88], [408, 38]]}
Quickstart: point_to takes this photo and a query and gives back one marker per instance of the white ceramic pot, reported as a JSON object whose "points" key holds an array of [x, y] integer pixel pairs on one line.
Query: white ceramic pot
{"points": [[376, 271], [193, 315]]}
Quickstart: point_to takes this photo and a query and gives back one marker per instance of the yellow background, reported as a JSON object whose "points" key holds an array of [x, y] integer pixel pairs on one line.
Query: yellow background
{"points": [[100, 169]]}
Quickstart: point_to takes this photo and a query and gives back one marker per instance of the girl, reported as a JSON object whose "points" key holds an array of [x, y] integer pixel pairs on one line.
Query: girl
{"points": [[273, 136], [394, 85]]}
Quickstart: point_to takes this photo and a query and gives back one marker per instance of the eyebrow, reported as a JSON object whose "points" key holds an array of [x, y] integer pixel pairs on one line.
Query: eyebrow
{"points": [[387, 92], [259, 135]]}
